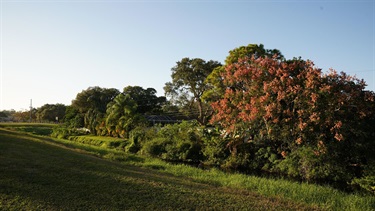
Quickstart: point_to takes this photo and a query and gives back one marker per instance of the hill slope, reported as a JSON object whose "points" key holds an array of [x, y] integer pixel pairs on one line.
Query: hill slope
{"points": [[38, 175]]}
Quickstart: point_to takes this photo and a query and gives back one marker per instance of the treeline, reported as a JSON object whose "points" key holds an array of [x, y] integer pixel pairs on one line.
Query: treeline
{"points": [[257, 113]]}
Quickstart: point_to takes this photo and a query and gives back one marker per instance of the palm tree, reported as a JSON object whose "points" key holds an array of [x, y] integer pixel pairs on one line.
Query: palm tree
{"points": [[122, 116]]}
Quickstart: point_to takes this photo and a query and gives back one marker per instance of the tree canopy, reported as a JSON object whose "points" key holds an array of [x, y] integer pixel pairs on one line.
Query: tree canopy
{"points": [[122, 116], [51, 113], [215, 80], [146, 99], [188, 84], [94, 98], [92, 103]]}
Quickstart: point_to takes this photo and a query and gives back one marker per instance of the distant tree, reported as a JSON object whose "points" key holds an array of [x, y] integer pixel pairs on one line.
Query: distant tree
{"points": [[23, 116], [188, 85], [73, 118], [51, 113], [146, 99], [92, 104], [94, 98], [122, 116], [5, 116]]}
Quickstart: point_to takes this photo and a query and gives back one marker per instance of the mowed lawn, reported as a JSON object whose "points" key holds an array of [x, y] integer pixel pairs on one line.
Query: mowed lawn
{"points": [[39, 175]]}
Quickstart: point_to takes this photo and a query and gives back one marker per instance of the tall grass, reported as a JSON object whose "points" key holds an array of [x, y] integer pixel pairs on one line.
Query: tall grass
{"points": [[323, 196]]}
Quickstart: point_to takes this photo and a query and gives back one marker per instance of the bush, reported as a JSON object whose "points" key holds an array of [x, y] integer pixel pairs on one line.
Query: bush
{"points": [[63, 132], [214, 148], [156, 147], [99, 141], [307, 164], [139, 136], [265, 158], [177, 142], [367, 181]]}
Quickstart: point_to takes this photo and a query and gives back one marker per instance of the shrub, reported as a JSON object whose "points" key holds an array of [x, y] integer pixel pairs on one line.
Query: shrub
{"points": [[139, 136], [367, 181], [61, 132], [214, 148], [156, 147], [178, 142], [307, 164]]}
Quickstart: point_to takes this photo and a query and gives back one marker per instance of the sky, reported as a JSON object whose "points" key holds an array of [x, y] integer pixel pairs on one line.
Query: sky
{"points": [[51, 50]]}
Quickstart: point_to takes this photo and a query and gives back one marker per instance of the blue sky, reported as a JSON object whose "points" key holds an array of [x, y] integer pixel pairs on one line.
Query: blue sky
{"points": [[53, 49]]}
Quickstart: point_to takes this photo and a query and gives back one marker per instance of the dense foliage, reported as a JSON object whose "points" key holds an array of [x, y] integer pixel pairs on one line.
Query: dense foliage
{"points": [[188, 86], [316, 126]]}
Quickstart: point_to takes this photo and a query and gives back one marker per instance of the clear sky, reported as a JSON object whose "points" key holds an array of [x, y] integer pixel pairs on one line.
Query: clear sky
{"points": [[53, 49]]}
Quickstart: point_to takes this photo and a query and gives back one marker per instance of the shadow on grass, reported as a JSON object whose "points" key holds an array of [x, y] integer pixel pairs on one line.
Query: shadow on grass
{"points": [[37, 175]]}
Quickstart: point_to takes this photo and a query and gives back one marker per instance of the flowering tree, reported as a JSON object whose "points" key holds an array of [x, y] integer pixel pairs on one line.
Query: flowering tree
{"points": [[293, 104], [215, 80]]}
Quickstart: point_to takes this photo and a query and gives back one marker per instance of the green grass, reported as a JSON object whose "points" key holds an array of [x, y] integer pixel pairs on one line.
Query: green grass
{"points": [[34, 128], [315, 195], [281, 194], [107, 142], [38, 174]]}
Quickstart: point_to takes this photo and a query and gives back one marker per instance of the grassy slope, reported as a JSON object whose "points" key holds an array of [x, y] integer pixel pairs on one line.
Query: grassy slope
{"points": [[36, 175], [34, 128]]}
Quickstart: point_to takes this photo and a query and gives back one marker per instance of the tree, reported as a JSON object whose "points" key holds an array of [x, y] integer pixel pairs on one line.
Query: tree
{"points": [[292, 104], [6, 115], [122, 116], [218, 84], [23, 116], [73, 118], [94, 98], [51, 113], [188, 84], [146, 99], [215, 80], [92, 104]]}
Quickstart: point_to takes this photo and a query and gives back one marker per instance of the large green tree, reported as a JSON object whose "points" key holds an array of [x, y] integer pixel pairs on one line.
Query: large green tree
{"points": [[188, 85], [51, 113], [94, 98], [73, 118], [122, 116], [146, 99], [92, 104]]}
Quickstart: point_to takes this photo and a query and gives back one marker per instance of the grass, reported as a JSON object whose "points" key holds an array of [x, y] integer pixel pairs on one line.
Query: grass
{"points": [[321, 196], [107, 142], [37, 174], [242, 191], [34, 128]]}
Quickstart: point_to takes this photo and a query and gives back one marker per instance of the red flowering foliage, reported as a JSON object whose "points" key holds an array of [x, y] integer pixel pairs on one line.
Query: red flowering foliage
{"points": [[290, 101]]}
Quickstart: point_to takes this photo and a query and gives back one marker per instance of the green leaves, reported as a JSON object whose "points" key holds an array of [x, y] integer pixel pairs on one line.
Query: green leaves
{"points": [[189, 83], [121, 116]]}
